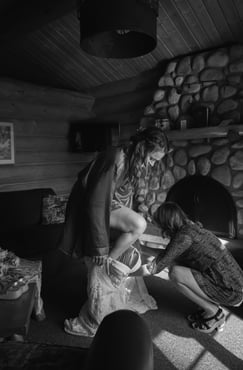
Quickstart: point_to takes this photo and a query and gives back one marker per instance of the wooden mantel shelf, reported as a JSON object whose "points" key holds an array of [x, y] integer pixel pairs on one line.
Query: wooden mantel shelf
{"points": [[203, 132]]}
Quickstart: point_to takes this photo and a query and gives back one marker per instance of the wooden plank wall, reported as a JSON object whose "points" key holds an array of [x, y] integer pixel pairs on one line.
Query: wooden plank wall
{"points": [[124, 101], [41, 125], [41, 117], [42, 157]]}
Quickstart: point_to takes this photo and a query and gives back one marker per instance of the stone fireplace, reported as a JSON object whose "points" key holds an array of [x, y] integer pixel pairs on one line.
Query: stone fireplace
{"points": [[200, 96], [205, 176]]}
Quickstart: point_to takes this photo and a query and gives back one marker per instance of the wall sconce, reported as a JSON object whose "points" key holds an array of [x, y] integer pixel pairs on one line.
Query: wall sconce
{"points": [[118, 28]]}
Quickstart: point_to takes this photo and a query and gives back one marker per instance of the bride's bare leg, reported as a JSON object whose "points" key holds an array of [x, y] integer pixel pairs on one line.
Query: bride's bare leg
{"points": [[130, 224]]}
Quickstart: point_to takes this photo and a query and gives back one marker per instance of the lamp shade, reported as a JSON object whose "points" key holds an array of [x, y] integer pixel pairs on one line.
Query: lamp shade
{"points": [[118, 28]]}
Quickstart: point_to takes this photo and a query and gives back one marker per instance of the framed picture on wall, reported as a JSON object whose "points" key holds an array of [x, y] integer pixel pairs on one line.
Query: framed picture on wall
{"points": [[6, 143]]}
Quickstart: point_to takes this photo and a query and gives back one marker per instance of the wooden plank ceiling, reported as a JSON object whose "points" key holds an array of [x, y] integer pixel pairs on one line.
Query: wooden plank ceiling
{"points": [[39, 40]]}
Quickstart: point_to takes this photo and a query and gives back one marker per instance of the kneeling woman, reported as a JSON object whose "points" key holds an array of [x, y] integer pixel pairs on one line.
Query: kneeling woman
{"points": [[200, 266]]}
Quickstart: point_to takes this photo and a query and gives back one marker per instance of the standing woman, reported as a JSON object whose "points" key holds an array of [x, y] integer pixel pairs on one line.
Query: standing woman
{"points": [[96, 205], [200, 266]]}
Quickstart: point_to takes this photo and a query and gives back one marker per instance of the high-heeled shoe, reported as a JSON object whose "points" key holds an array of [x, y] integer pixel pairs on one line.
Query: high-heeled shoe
{"points": [[195, 315], [209, 324]]}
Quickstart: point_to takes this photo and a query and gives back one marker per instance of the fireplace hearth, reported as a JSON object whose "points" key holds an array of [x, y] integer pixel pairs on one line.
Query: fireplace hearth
{"points": [[205, 200]]}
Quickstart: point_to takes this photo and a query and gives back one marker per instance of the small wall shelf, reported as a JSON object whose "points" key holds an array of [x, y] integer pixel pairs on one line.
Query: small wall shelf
{"points": [[203, 132]]}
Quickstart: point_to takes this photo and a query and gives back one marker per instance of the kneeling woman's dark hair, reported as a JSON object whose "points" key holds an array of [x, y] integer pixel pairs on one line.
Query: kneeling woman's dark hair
{"points": [[170, 218]]}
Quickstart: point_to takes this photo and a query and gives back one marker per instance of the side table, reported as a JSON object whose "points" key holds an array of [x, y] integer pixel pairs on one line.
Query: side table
{"points": [[15, 314], [32, 271]]}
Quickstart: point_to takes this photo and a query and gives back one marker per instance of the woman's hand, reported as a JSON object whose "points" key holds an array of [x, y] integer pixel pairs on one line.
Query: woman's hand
{"points": [[103, 260], [99, 260], [142, 271]]}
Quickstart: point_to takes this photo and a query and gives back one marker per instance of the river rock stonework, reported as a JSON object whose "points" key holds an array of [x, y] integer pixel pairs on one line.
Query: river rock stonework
{"points": [[216, 158], [190, 84], [205, 89]]}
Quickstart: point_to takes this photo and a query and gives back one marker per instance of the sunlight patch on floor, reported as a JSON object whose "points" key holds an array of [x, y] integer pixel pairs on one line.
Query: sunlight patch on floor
{"points": [[233, 327], [180, 356], [218, 351]]}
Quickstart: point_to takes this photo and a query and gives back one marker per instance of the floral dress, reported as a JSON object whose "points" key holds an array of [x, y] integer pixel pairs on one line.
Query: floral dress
{"points": [[213, 266], [122, 194]]}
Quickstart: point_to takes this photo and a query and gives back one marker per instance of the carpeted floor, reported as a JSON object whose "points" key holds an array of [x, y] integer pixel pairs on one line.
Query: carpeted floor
{"points": [[176, 345], [39, 356]]}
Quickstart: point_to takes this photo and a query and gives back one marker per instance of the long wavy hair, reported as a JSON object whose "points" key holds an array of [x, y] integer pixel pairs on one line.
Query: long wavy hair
{"points": [[141, 144], [170, 218]]}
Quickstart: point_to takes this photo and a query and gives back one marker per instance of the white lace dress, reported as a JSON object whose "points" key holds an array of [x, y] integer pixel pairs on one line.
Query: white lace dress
{"points": [[109, 293]]}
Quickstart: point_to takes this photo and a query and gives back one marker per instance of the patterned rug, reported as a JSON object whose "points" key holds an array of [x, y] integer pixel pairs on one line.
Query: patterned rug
{"points": [[37, 356]]}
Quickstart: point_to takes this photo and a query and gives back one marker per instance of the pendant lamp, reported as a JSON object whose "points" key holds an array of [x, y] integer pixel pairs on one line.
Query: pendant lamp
{"points": [[118, 28]]}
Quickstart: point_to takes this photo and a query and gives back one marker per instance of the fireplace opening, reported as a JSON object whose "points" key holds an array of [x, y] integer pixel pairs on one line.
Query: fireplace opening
{"points": [[206, 200]]}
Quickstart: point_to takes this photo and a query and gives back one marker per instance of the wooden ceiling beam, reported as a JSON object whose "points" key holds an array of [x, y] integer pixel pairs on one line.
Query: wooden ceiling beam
{"points": [[19, 17]]}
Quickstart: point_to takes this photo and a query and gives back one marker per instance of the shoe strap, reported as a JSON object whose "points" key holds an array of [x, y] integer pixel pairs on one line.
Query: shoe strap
{"points": [[216, 316], [204, 321]]}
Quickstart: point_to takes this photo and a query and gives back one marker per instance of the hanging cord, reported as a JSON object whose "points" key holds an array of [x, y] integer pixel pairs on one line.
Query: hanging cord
{"points": [[79, 3], [154, 4]]}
